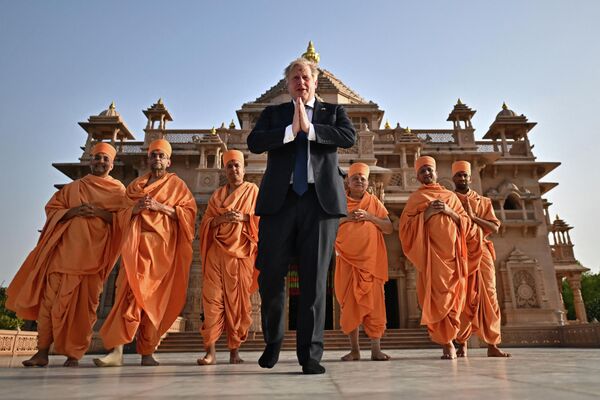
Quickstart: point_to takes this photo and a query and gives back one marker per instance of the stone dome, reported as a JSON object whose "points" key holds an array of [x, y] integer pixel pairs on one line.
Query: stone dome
{"points": [[506, 112], [110, 112]]}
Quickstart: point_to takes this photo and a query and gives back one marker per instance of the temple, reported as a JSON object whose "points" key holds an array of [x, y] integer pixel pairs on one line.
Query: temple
{"points": [[534, 252]]}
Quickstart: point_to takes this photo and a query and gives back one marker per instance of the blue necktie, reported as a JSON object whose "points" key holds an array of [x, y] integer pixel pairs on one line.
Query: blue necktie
{"points": [[300, 182]]}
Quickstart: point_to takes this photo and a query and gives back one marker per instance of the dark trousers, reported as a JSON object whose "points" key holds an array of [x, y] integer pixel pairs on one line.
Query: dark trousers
{"points": [[302, 231]]}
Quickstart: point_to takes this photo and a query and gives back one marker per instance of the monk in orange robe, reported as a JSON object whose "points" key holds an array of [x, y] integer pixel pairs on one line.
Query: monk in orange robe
{"points": [[361, 265], [482, 312], [228, 246], [60, 282], [155, 260], [433, 230]]}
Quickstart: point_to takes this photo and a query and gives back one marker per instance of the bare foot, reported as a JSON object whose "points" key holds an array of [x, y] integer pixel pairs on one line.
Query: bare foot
{"points": [[71, 362], [149, 361], [208, 359], [39, 359], [112, 359], [462, 350], [494, 351], [234, 357], [449, 352], [354, 355], [379, 356]]}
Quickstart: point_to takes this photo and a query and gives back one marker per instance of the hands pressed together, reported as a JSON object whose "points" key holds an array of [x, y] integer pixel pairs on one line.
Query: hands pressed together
{"points": [[146, 203], [87, 210], [300, 123], [439, 207]]}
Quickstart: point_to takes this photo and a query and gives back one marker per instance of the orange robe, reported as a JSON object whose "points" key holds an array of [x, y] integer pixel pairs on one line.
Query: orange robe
{"points": [[228, 254], [60, 282], [437, 249], [482, 312], [361, 270], [155, 265]]}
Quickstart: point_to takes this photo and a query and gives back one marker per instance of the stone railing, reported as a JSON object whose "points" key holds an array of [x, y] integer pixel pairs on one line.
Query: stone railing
{"points": [[17, 343], [575, 335], [435, 135]]}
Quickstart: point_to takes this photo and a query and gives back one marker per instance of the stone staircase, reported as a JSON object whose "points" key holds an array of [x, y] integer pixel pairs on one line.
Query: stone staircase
{"points": [[179, 342]]}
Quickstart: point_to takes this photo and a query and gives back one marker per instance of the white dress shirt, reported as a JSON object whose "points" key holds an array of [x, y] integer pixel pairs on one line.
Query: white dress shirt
{"points": [[289, 137]]}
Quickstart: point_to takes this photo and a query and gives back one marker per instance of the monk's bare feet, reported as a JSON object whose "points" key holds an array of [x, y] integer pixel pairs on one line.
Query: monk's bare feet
{"points": [[210, 358], [376, 353], [112, 359], [149, 361], [234, 357], [71, 362], [380, 356], [494, 351], [449, 352], [462, 350], [354, 355], [39, 359]]}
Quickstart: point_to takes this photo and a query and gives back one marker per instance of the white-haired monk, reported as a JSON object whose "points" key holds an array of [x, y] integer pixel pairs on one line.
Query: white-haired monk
{"points": [[361, 268], [60, 282], [228, 246], [481, 314], [433, 230], [155, 260]]}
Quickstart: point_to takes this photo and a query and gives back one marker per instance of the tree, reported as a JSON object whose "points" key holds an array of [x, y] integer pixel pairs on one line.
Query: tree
{"points": [[590, 291], [8, 319]]}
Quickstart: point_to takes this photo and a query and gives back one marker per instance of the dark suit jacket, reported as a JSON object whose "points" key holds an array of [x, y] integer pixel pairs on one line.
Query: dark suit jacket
{"points": [[333, 129]]}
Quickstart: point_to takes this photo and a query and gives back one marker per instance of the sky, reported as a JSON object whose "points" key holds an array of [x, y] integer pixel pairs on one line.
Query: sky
{"points": [[62, 61]]}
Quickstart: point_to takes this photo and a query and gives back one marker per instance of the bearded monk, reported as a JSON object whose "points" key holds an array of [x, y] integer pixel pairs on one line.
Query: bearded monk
{"points": [[228, 245], [361, 265], [482, 312], [433, 230], [155, 260], [60, 282]]}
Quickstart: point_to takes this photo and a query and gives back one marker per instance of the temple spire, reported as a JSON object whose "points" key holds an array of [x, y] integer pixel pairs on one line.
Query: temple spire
{"points": [[311, 54]]}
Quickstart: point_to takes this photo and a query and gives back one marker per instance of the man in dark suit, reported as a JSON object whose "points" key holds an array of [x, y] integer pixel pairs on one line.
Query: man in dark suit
{"points": [[300, 201]]}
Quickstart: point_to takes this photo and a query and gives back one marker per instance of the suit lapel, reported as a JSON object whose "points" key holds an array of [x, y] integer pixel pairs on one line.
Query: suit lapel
{"points": [[288, 112], [316, 111]]}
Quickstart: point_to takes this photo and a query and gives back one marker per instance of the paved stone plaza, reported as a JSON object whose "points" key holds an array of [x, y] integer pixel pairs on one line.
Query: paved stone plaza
{"points": [[531, 374]]}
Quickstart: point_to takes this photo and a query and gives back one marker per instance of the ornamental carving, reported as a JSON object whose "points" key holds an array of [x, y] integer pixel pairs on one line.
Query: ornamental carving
{"points": [[396, 180], [525, 293]]}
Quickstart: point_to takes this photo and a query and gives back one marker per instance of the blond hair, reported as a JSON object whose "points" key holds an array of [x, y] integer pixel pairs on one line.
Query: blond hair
{"points": [[304, 63]]}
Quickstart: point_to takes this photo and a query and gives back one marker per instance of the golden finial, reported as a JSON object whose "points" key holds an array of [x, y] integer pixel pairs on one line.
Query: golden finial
{"points": [[112, 106], [557, 217], [311, 54], [387, 124], [222, 125], [504, 106], [213, 131], [407, 130], [232, 125], [459, 102], [160, 102]]}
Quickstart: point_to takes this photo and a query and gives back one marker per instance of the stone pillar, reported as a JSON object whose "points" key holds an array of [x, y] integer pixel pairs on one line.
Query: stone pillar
{"points": [[414, 313], [202, 158], [560, 295], [575, 284], [113, 140], [193, 305], [256, 319], [504, 146], [403, 161]]}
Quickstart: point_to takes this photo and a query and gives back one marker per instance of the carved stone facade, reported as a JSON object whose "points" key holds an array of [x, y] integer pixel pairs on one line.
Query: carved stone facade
{"points": [[504, 168]]}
